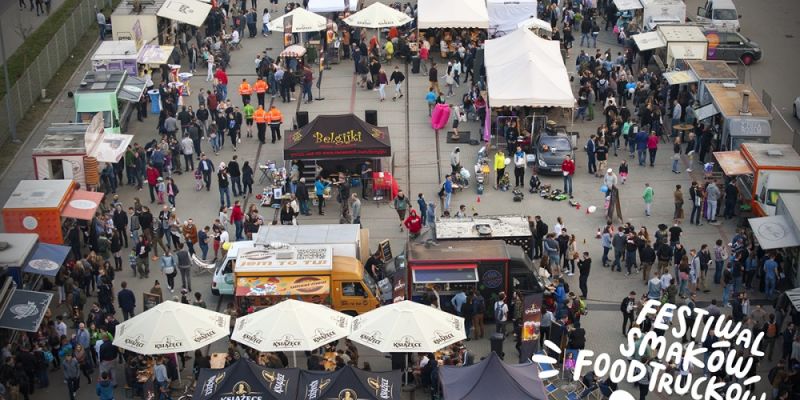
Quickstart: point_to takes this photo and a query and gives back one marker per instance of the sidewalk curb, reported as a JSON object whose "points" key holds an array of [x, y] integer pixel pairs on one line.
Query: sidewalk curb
{"points": [[46, 115]]}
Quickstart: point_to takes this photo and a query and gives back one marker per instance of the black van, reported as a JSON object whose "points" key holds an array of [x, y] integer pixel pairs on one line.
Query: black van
{"points": [[732, 47]]}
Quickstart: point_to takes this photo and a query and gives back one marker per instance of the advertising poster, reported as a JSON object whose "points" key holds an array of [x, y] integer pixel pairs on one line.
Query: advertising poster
{"points": [[531, 320]]}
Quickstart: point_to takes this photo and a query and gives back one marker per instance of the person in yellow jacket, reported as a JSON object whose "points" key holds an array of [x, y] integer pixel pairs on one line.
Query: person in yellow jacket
{"points": [[260, 87], [275, 121], [261, 117], [245, 90], [499, 167]]}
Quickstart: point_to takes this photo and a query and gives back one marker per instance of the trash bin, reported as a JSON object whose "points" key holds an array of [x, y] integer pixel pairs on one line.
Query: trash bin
{"points": [[155, 101], [415, 64], [496, 342]]}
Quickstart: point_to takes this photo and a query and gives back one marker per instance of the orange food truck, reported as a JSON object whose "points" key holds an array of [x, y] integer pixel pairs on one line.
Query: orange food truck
{"points": [[41, 207]]}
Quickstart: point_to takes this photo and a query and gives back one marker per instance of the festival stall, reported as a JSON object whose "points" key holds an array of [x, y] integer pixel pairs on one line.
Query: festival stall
{"points": [[541, 28], [781, 232], [114, 94], [492, 378], [245, 379], [139, 22], [505, 15], [331, 6], [452, 14], [75, 151], [41, 206], [116, 55]]}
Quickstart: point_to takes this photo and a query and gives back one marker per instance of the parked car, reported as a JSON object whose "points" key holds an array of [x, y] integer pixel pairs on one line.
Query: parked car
{"points": [[222, 283], [732, 47], [550, 149]]}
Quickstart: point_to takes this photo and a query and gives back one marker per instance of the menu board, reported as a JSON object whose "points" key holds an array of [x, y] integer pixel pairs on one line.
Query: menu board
{"points": [[385, 251]]}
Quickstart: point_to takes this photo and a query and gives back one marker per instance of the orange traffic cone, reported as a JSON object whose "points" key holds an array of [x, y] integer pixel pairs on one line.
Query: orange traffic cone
{"points": [[479, 199]]}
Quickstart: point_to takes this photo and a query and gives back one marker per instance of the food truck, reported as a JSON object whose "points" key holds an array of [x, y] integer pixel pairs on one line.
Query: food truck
{"points": [[265, 275], [674, 42], [781, 232], [658, 12], [116, 55], [346, 240], [490, 266], [41, 207], [739, 114], [111, 93], [512, 229], [139, 22], [75, 151], [762, 171]]}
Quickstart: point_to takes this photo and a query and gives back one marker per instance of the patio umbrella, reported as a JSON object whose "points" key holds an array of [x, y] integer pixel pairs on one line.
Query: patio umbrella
{"points": [[294, 50], [378, 15], [291, 325], [171, 327], [302, 21]]}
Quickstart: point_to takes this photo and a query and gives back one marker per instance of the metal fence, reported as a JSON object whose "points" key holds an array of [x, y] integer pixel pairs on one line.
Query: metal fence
{"points": [[27, 88]]}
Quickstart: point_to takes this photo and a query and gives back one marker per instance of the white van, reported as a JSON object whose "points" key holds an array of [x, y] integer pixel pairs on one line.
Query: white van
{"points": [[222, 282], [720, 15]]}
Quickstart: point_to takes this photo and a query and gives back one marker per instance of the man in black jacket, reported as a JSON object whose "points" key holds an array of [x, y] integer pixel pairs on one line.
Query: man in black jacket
{"points": [[108, 353], [647, 256], [127, 301], [626, 308], [236, 176], [664, 254], [538, 236], [302, 197], [120, 219], [584, 268]]}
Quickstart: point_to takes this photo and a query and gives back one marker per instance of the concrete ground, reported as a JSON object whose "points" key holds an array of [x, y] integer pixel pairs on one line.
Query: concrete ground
{"points": [[420, 159]]}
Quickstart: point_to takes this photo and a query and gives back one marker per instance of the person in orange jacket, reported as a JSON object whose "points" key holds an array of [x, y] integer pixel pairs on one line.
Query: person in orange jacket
{"points": [[245, 90], [261, 118], [275, 121], [260, 87]]}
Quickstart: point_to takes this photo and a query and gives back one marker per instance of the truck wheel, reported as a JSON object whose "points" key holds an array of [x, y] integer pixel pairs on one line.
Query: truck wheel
{"points": [[215, 292], [350, 313], [747, 59]]}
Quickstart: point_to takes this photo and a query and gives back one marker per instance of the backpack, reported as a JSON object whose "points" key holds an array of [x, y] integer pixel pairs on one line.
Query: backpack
{"points": [[498, 311], [772, 330], [478, 305]]}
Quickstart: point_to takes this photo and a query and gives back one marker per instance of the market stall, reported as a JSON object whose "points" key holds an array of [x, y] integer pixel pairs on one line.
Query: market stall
{"points": [[492, 378], [452, 14], [114, 94], [781, 232], [505, 15], [116, 55], [41, 206], [350, 383], [541, 28], [139, 22], [75, 151], [14, 257], [245, 379]]}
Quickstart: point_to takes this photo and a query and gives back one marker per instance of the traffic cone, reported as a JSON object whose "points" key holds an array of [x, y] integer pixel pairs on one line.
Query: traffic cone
{"points": [[479, 199], [578, 206]]}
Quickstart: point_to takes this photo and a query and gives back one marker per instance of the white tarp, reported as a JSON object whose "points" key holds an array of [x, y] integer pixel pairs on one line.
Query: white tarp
{"points": [[625, 5], [302, 21], [649, 40], [774, 232], [535, 23], [505, 15], [321, 6], [192, 12], [525, 70], [112, 148], [452, 14], [679, 77]]}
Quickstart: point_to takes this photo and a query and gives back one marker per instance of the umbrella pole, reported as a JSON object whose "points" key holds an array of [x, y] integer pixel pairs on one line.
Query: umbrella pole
{"points": [[294, 358], [405, 371]]}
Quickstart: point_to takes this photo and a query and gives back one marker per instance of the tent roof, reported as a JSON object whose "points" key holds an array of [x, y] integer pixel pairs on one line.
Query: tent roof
{"points": [[363, 385], [337, 136], [321, 6], [524, 54], [492, 378], [452, 14], [271, 384]]}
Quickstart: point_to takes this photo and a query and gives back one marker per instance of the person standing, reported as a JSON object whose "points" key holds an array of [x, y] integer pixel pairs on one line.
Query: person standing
{"points": [[652, 147], [519, 168], [648, 195], [448, 192], [223, 179], [676, 155], [355, 208], [319, 189], [712, 196], [770, 275], [696, 196], [423, 208], [568, 169], [184, 267], [433, 78], [401, 206], [678, 199], [206, 168], [236, 176], [275, 119], [261, 117], [72, 374], [382, 82], [308, 79], [539, 232], [501, 314], [237, 217], [107, 355], [584, 268], [590, 147], [101, 22], [169, 268], [127, 301], [627, 307], [499, 167]]}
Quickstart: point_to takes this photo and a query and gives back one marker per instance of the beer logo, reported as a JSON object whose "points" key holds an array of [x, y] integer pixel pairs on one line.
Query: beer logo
{"points": [[348, 394], [276, 380], [136, 341], [456, 323], [286, 342], [373, 338], [340, 321], [212, 383], [242, 391], [442, 337], [356, 324], [201, 335], [381, 386], [406, 342], [254, 337], [321, 335], [168, 343], [316, 387]]}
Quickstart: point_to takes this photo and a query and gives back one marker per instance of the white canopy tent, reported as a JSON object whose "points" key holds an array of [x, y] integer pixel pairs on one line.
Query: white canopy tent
{"points": [[505, 15], [323, 6], [452, 14], [523, 69], [302, 21], [535, 23]]}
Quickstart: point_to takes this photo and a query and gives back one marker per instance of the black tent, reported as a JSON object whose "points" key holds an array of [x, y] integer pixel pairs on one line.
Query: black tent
{"points": [[245, 378], [349, 383], [337, 137], [490, 379]]}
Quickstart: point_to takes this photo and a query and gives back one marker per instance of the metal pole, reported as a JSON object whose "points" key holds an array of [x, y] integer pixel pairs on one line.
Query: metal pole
{"points": [[12, 126]]}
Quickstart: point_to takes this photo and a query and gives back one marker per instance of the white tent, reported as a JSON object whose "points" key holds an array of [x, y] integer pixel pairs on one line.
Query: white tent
{"points": [[525, 70], [302, 21], [323, 6], [505, 15], [452, 14], [535, 23]]}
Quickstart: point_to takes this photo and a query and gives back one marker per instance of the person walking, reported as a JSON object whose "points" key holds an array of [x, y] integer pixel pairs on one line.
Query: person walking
{"points": [[223, 180], [652, 147], [584, 268], [127, 301], [235, 176], [397, 78], [676, 155], [206, 168], [648, 195], [501, 314], [169, 266], [627, 307], [568, 169], [401, 206], [72, 374], [275, 119], [677, 196], [184, 267], [261, 118]]}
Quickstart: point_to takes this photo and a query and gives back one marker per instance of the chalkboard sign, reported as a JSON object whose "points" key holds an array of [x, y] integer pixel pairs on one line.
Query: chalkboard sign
{"points": [[150, 300], [385, 251]]}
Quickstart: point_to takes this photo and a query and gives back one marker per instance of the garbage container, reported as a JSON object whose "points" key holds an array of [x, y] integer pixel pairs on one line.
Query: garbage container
{"points": [[155, 101], [496, 342], [415, 65]]}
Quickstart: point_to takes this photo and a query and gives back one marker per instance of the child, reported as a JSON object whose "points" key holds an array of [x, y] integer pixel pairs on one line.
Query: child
{"points": [[431, 99], [198, 180], [535, 183], [161, 189], [623, 171]]}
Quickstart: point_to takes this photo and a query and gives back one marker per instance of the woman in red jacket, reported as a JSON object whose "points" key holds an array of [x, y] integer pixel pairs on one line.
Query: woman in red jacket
{"points": [[237, 217]]}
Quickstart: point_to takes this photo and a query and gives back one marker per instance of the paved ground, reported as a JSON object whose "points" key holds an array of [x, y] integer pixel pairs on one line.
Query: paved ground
{"points": [[419, 172], [17, 23]]}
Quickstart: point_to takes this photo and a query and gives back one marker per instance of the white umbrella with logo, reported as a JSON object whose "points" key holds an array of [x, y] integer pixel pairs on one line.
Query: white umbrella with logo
{"points": [[291, 325], [378, 15], [171, 327], [302, 21]]}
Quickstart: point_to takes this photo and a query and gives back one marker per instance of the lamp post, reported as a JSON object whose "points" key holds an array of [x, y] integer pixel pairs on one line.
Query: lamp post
{"points": [[12, 126]]}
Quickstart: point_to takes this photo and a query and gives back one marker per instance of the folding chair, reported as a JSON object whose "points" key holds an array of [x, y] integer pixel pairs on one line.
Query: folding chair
{"points": [[203, 266]]}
